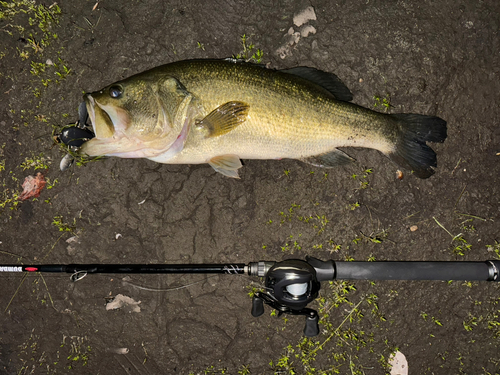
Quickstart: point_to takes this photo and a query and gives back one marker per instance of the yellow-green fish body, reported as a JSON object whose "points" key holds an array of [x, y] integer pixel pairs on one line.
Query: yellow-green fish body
{"points": [[218, 111]]}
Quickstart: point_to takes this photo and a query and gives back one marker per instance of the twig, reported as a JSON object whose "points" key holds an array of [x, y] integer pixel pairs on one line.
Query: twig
{"points": [[21, 283], [338, 328], [473, 216], [456, 166], [52, 248], [441, 225], [46, 287], [14, 255], [459, 197]]}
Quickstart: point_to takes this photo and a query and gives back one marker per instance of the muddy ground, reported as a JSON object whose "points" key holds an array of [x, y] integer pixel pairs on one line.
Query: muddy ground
{"points": [[430, 57]]}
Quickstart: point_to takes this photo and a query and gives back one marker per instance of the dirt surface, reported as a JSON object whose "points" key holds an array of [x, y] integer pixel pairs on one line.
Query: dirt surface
{"points": [[437, 58]]}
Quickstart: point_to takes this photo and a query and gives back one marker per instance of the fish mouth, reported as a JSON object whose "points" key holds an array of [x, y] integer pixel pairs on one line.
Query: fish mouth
{"points": [[90, 104], [110, 124], [107, 140], [102, 124]]}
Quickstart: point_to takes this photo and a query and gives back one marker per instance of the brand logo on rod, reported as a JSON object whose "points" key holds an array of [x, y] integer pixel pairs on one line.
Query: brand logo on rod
{"points": [[11, 269]]}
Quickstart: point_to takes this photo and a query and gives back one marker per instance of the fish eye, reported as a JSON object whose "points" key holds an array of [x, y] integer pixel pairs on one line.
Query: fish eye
{"points": [[115, 91]]}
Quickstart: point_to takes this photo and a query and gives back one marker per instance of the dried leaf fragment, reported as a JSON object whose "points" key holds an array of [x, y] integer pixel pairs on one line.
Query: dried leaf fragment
{"points": [[32, 186]]}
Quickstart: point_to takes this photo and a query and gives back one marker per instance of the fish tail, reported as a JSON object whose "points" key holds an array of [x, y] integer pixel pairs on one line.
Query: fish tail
{"points": [[411, 149]]}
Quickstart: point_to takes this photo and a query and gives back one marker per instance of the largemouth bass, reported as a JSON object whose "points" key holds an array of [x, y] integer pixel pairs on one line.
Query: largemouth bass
{"points": [[221, 111]]}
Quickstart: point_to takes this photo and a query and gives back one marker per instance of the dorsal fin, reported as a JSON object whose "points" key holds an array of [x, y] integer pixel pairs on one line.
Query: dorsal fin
{"points": [[328, 81]]}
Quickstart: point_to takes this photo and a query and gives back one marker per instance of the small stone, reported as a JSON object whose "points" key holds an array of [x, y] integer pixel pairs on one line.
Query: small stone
{"points": [[413, 228]]}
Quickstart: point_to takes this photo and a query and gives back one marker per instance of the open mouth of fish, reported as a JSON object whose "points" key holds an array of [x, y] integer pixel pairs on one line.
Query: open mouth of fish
{"points": [[105, 120], [109, 124], [90, 104]]}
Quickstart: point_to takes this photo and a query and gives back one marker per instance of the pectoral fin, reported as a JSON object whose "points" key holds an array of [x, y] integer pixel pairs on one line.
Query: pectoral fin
{"points": [[329, 159], [223, 119], [228, 165]]}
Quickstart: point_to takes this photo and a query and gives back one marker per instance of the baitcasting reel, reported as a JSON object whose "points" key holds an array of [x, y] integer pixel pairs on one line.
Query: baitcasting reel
{"points": [[290, 286]]}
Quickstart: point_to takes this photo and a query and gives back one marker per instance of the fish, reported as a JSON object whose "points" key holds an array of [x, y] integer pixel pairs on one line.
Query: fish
{"points": [[221, 111]]}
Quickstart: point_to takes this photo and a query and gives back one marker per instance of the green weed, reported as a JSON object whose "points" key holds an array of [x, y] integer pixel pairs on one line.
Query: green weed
{"points": [[384, 102], [354, 206], [50, 183], [74, 352], [62, 71], [45, 17], [35, 162], [289, 214], [62, 226], [244, 370], [292, 245], [212, 370], [495, 249], [249, 53], [341, 342], [37, 68], [426, 316], [470, 323], [253, 289]]}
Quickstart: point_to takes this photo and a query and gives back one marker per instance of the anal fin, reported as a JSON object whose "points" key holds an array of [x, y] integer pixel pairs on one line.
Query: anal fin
{"points": [[329, 160]]}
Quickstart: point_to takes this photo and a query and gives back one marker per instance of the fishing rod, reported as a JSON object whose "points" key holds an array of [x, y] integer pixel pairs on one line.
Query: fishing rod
{"points": [[290, 285]]}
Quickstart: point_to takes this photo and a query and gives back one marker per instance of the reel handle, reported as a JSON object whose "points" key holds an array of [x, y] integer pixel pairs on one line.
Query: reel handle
{"points": [[257, 307], [312, 327]]}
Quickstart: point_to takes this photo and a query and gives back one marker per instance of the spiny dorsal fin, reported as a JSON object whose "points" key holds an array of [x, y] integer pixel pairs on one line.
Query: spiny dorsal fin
{"points": [[329, 159], [328, 81], [224, 118]]}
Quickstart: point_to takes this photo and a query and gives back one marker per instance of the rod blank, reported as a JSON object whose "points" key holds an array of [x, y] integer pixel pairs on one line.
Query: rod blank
{"points": [[237, 268]]}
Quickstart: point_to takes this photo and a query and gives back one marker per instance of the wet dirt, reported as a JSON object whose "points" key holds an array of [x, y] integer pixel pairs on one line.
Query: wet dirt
{"points": [[437, 58]]}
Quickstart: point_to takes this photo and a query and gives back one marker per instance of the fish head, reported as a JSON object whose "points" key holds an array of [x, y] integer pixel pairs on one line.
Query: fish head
{"points": [[136, 117]]}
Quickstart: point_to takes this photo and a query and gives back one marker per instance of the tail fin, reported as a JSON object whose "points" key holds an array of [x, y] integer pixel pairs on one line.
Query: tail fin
{"points": [[412, 151]]}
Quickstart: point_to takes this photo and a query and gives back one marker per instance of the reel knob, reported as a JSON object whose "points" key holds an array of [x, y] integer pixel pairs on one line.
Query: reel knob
{"points": [[257, 307], [312, 328]]}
